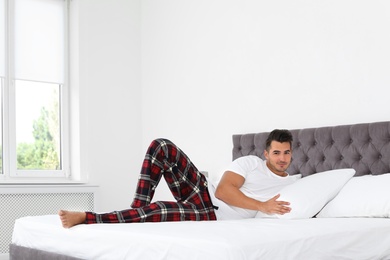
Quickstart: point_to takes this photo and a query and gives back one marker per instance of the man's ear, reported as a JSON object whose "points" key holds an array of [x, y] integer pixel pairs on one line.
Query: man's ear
{"points": [[266, 154]]}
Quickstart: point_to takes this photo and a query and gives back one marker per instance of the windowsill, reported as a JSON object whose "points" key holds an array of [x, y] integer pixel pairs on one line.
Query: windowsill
{"points": [[40, 181], [17, 188]]}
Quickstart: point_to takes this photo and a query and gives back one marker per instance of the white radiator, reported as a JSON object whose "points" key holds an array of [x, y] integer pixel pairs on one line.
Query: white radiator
{"points": [[30, 200]]}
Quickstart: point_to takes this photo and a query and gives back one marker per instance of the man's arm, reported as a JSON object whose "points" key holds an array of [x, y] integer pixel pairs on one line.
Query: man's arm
{"points": [[228, 190]]}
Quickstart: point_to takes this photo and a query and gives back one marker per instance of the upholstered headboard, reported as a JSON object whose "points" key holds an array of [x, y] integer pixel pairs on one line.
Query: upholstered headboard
{"points": [[364, 147]]}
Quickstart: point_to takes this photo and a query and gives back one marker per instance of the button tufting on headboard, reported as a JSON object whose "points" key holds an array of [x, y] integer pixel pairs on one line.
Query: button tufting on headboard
{"points": [[364, 147]]}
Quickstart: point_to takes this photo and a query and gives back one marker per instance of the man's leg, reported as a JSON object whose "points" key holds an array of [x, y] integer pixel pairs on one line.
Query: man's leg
{"points": [[163, 158], [187, 184], [159, 211]]}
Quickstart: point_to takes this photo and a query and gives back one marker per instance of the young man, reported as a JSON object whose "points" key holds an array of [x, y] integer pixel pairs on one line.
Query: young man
{"points": [[248, 185]]}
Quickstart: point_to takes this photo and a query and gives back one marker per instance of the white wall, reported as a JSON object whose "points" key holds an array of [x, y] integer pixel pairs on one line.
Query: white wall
{"points": [[214, 68], [197, 72], [110, 97]]}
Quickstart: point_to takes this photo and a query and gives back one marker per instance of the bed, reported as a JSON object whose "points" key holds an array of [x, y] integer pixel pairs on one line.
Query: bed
{"points": [[349, 220]]}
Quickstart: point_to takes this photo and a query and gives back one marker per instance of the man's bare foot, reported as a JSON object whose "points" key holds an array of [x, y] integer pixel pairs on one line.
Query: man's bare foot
{"points": [[71, 218]]}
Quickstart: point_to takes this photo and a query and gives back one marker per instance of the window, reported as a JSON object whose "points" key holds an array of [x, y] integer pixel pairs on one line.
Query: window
{"points": [[2, 76], [34, 89]]}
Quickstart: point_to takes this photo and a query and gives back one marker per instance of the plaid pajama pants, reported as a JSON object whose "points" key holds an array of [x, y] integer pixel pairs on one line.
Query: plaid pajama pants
{"points": [[187, 184]]}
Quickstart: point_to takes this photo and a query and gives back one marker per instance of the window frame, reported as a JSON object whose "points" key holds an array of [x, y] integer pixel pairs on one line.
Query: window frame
{"points": [[10, 173]]}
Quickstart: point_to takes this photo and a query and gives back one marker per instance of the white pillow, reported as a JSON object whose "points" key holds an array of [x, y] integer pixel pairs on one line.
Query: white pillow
{"points": [[365, 196], [307, 196]]}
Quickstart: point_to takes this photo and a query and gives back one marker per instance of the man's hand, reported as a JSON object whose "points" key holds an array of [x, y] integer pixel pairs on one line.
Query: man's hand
{"points": [[273, 206]]}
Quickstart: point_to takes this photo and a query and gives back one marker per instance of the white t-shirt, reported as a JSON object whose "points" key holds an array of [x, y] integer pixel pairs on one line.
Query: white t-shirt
{"points": [[260, 184]]}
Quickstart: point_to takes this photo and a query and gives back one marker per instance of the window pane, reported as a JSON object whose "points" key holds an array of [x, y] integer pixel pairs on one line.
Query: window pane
{"points": [[39, 40], [38, 144], [2, 38]]}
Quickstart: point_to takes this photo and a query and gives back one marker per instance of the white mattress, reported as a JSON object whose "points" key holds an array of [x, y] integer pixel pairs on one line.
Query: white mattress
{"points": [[327, 238]]}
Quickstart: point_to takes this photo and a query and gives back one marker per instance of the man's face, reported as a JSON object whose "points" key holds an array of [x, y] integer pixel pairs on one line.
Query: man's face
{"points": [[278, 157]]}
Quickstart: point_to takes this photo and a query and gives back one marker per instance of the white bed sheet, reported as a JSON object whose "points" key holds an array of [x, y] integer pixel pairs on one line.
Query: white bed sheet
{"points": [[325, 238]]}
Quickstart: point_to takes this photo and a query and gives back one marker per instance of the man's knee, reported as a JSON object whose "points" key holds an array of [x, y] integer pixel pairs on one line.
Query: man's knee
{"points": [[162, 142]]}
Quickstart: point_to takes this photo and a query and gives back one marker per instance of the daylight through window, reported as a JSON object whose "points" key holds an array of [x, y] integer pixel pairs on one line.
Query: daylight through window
{"points": [[33, 56]]}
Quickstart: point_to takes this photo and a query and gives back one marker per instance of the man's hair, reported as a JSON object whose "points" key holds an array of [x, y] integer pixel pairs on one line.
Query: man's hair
{"points": [[279, 135]]}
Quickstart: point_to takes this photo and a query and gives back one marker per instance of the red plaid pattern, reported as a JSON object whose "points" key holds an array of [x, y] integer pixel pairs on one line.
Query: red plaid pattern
{"points": [[187, 184]]}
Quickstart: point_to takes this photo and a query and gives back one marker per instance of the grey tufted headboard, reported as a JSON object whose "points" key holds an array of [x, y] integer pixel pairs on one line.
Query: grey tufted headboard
{"points": [[364, 147]]}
